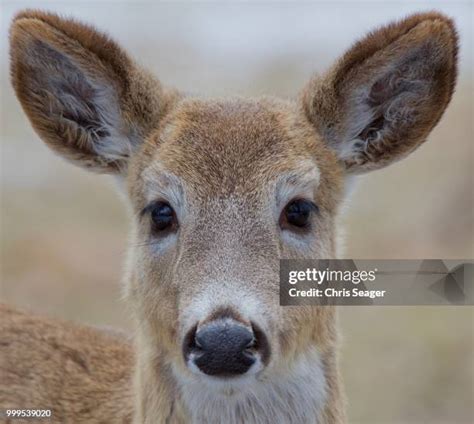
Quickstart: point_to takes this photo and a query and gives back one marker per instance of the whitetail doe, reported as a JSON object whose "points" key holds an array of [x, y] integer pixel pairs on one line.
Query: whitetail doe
{"points": [[221, 190]]}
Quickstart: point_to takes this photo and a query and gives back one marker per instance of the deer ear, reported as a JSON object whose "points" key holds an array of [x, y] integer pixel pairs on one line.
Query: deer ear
{"points": [[83, 95], [383, 97]]}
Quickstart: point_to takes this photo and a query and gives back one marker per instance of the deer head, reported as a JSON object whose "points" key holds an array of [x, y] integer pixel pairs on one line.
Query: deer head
{"points": [[222, 189]]}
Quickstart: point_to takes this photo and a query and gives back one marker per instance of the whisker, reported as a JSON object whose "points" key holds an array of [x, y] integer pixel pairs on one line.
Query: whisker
{"points": [[144, 243]]}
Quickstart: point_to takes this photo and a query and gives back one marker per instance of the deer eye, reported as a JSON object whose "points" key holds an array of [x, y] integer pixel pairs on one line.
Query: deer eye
{"points": [[297, 214], [163, 216]]}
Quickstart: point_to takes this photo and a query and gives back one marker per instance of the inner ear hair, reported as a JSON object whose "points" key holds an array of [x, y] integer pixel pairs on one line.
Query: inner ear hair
{"points": [[382, 98], [84, 96]]}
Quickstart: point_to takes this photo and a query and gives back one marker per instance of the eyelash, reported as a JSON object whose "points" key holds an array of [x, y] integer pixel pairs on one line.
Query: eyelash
{"points": [[162, 216], [295, 216]]}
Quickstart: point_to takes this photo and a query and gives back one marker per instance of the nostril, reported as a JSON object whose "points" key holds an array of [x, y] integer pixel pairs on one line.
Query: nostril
{"points": [[251, 347], [221, 348], [197, 344], [261, 344], [190, 344]]}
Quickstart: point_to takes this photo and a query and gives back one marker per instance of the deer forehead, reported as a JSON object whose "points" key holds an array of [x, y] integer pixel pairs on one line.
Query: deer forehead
{"points": [[238, 150]]}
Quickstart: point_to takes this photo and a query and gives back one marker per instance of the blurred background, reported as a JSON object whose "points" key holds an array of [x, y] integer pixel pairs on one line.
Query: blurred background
{"points": [[63, 231]]}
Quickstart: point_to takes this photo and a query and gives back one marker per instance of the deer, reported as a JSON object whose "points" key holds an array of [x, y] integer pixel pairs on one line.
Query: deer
{"points": [[220, 190]]}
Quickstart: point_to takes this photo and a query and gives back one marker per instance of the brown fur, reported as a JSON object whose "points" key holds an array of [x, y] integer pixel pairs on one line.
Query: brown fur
{"points": [[142, 100], [228, 167], [326, 100], [51, 364], [257, 140]]}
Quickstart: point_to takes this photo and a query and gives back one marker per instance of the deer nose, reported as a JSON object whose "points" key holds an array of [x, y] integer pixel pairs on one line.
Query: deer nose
{"points": [[222, 348]]}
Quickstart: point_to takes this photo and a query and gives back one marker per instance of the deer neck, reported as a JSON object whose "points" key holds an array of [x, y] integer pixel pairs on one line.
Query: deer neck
{"points": [[306, 392]]}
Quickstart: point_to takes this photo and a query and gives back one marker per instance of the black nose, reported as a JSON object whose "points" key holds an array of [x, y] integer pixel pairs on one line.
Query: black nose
{"points": [[222, 348]]}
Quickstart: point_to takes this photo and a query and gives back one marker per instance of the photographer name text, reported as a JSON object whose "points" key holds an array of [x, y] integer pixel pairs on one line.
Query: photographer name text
{"points": [[319, 277]]}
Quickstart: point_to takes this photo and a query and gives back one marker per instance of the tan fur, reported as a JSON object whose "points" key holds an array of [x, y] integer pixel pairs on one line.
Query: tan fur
{"points": [[83, 375], [141, 99], [228, 167], [433, 39]]}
